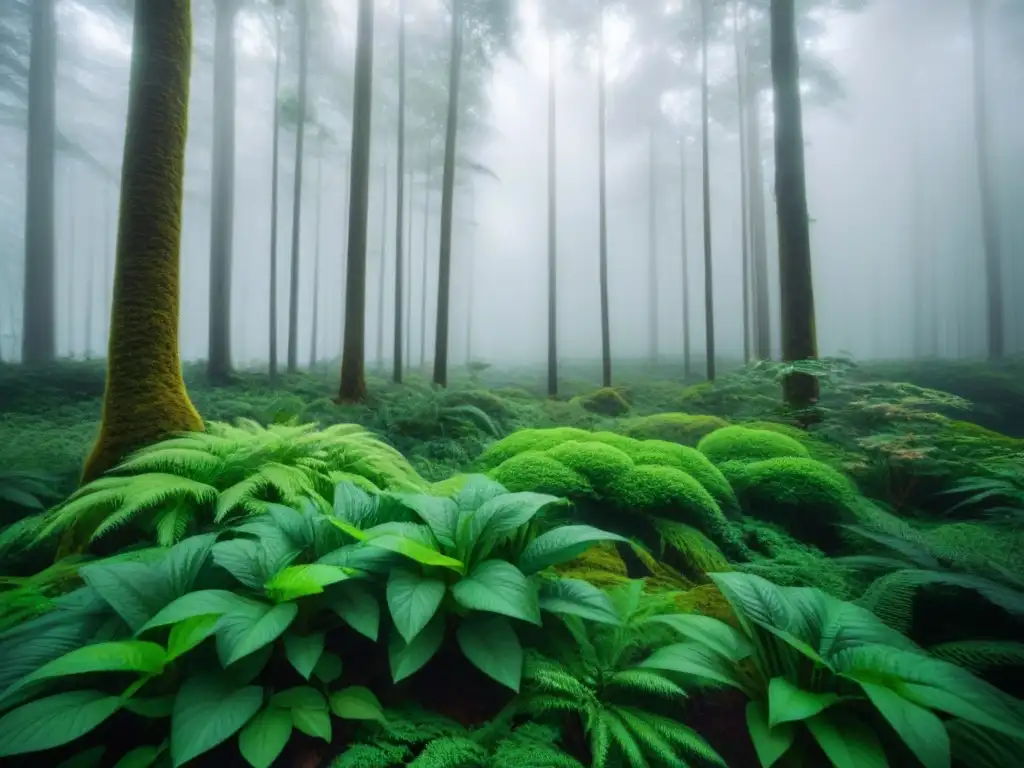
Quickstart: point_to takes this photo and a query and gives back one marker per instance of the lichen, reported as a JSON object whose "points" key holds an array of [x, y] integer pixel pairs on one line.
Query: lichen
{"points": [[743, 444]]}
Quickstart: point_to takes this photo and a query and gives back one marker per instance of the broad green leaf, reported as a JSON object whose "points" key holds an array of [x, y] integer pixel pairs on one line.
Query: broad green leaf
{"points": [[207, 711], [491, 644], [357, 605], [302, 580], [309, 710], [578, 598], [304, 651], [265, 737], [921, 730], [417, 552], [354, 504], [313, 722], [242, 632], [248, 668], [328, 669], [187, 634], [477, 490], [847, 741], [715, 634], [201, 603], [142, 757], [787, 703], [769, 743], [408, 658], [362, 557], [253, 563], [54, 721], [348, 528], [135, 590], [298, 527], [137, 656], [695, 660], [413, 600], [507, 513], [356, 703], [91, 758], [499, 587], [439, 513], [153, 708], [299, 697], [561, 545]]}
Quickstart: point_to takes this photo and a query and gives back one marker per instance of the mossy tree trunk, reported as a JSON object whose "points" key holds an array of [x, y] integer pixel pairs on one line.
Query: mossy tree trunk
{"points": [[797, 288], [145, 398], [444, 264], [709, 293], [39, 334], [552, 221], [300, 141], [399, 196], [222, 204], [353, 356]]}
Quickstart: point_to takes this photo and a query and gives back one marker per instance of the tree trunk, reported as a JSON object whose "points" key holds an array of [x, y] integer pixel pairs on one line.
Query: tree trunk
{"points": [[316, 254], [346, 205], [797, 288], [90, 285], [709, 295], [381, 282], [652, 247], [353, 358], [552, 222], [39, 333], [996, 335], [471, 274], [275, 162], [685, 258], [70, 259], [145, 398], [423, 281], [761, 303], [444, 265], [602, 140], [400, 196], [408, 270], [300, 139], [739, 46]]}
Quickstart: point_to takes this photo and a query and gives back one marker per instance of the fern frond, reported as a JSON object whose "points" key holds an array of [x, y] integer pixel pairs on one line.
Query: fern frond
{"points": [[191, 462], [977, 747], [680, 735], [451, 752], [624, 739], [981, 655], [153, 490], [646, 735], [240, 495], [172, 524], [646, 681], [380, 755]]}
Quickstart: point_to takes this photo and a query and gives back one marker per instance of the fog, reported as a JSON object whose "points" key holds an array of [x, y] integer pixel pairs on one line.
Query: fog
{"points": [[892, 177]]}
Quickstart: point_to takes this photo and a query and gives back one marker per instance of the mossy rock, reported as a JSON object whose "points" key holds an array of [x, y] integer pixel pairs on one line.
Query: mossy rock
{"points": [[743, 444], [599, 463], [683, 428], [528, 440], [807, 498], [693, 463], [601, 565], [606, 401], [706, 600], [534, 471]]}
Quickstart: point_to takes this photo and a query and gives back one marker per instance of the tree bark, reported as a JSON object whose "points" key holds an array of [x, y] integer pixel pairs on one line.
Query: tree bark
{"points": [[761, 303], [444, 266], [408, 271], [652, 245], [145, 398], [602, 140], [353, 358], [797, 287], [381, 281], [739, 45], [470, 274], [274, 173], [684, 258], [552, 222], [426, 252], [300, 139], [400, 196], [996, 335], [314, 331], [39, 333], [709, 295]]}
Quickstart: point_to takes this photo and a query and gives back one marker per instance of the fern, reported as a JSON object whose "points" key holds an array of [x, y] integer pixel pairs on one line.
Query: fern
{"points": [[980, 656]]}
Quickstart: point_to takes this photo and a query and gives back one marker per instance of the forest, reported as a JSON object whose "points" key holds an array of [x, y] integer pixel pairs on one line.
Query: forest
{"points": [[511, 383]]}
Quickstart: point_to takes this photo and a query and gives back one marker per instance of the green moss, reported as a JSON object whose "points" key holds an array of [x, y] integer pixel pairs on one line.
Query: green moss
{"points": [[533, 471], [690, 551], [694, 463], [606, 401], [528, 440], [743, 444], [818, 448], [624, 444], [598, 462], [669, 493], [683, 428], [601, 565], [807, 498]]}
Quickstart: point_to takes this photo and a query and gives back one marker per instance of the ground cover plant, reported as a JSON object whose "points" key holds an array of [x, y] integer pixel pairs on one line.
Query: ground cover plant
{"points": [[302, 583]]}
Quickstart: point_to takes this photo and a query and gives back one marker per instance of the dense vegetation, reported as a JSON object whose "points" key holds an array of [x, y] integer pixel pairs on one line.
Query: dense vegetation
{"points": [[480, 576]]}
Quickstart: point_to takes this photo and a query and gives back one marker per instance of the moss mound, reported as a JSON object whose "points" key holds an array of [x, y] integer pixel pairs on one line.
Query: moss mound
{"points": [[693, 463], [606, 401], [745, 444], [600, 565], [529, 440], [683, 428], [600, 463], [534, 471], [807, 498]]}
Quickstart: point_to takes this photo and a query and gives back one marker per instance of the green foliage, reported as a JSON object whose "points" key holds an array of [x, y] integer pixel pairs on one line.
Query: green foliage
{"points": [[228, 473], [807, 660], [606, 401], [683, 428], [544, 474], [744, 444]]}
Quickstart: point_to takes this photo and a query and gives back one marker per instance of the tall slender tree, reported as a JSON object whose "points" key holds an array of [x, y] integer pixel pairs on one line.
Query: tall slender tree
{"points": [[426, 258], [797, 288], [741, 103], [400, 197], [652, 248], [300, 139], [274, 173], [709, 293], [39, 335], [552, 220], [684, 257], [145, 398], [382, 271], [317, 242], [353, 357], [602, 192]]}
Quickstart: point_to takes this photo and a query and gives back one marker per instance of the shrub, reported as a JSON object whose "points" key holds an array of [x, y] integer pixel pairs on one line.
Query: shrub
{"points": [[743, 444], [605, 401], [683, 428]]}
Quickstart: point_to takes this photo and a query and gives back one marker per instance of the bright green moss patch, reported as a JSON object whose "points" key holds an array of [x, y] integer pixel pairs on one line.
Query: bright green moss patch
{"points": [[807, 498], [744, 444], [529, 440], [600, 565], [606, 401], [683, 428], [624, 444], [691, 461], [533, 471], [598, 462], [670, 493]]}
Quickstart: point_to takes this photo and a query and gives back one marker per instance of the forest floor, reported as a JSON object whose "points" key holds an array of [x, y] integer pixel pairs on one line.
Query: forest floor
{"points": [[936, 447]]}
